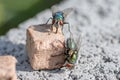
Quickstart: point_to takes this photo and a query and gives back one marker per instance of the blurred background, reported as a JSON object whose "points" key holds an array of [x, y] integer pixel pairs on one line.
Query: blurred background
{"points": [[13, 12]]}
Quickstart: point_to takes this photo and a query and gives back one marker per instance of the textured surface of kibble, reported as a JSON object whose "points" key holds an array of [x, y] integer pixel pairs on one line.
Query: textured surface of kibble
{"points": [[8, 68], [45, 49], [99, 57]]}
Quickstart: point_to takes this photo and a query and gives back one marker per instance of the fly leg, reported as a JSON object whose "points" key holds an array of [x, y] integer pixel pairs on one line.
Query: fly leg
{"points": [[50, 25], [68, 27], [51, 29], [56, 30], [62, 30], [57, 26], [49, 20]]}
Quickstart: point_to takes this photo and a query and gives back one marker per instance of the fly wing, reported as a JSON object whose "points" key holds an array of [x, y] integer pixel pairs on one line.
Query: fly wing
{"points": [[54, 9], [79, 41], [67, 11]]}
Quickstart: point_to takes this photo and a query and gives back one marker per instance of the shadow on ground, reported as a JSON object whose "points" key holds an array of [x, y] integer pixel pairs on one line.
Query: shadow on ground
{"points": [[19, 52]]}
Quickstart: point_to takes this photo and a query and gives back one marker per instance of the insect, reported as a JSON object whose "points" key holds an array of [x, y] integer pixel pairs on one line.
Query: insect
{"points": [[72, 51], [58, 18]]}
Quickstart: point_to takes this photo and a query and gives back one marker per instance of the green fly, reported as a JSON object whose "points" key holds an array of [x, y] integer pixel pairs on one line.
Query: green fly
{"points": [[58, 18], [72, 51]]}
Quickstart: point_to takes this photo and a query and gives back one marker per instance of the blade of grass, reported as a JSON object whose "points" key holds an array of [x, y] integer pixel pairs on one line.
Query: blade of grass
{"points": [[22, 16]]}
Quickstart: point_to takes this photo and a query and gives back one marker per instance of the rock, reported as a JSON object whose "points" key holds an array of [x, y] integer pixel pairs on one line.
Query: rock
{"points": [[45, 51], [8, 68]]}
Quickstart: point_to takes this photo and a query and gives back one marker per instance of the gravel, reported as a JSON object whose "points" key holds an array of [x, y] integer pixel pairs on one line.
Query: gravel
{"points": [[99, 56]]}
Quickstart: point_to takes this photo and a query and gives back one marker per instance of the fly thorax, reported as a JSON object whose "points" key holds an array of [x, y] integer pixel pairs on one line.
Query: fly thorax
{"points": [[58, 16]]}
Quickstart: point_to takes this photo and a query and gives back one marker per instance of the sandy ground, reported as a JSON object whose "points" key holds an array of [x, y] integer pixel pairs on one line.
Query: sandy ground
{"points": [[99, 57]]}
